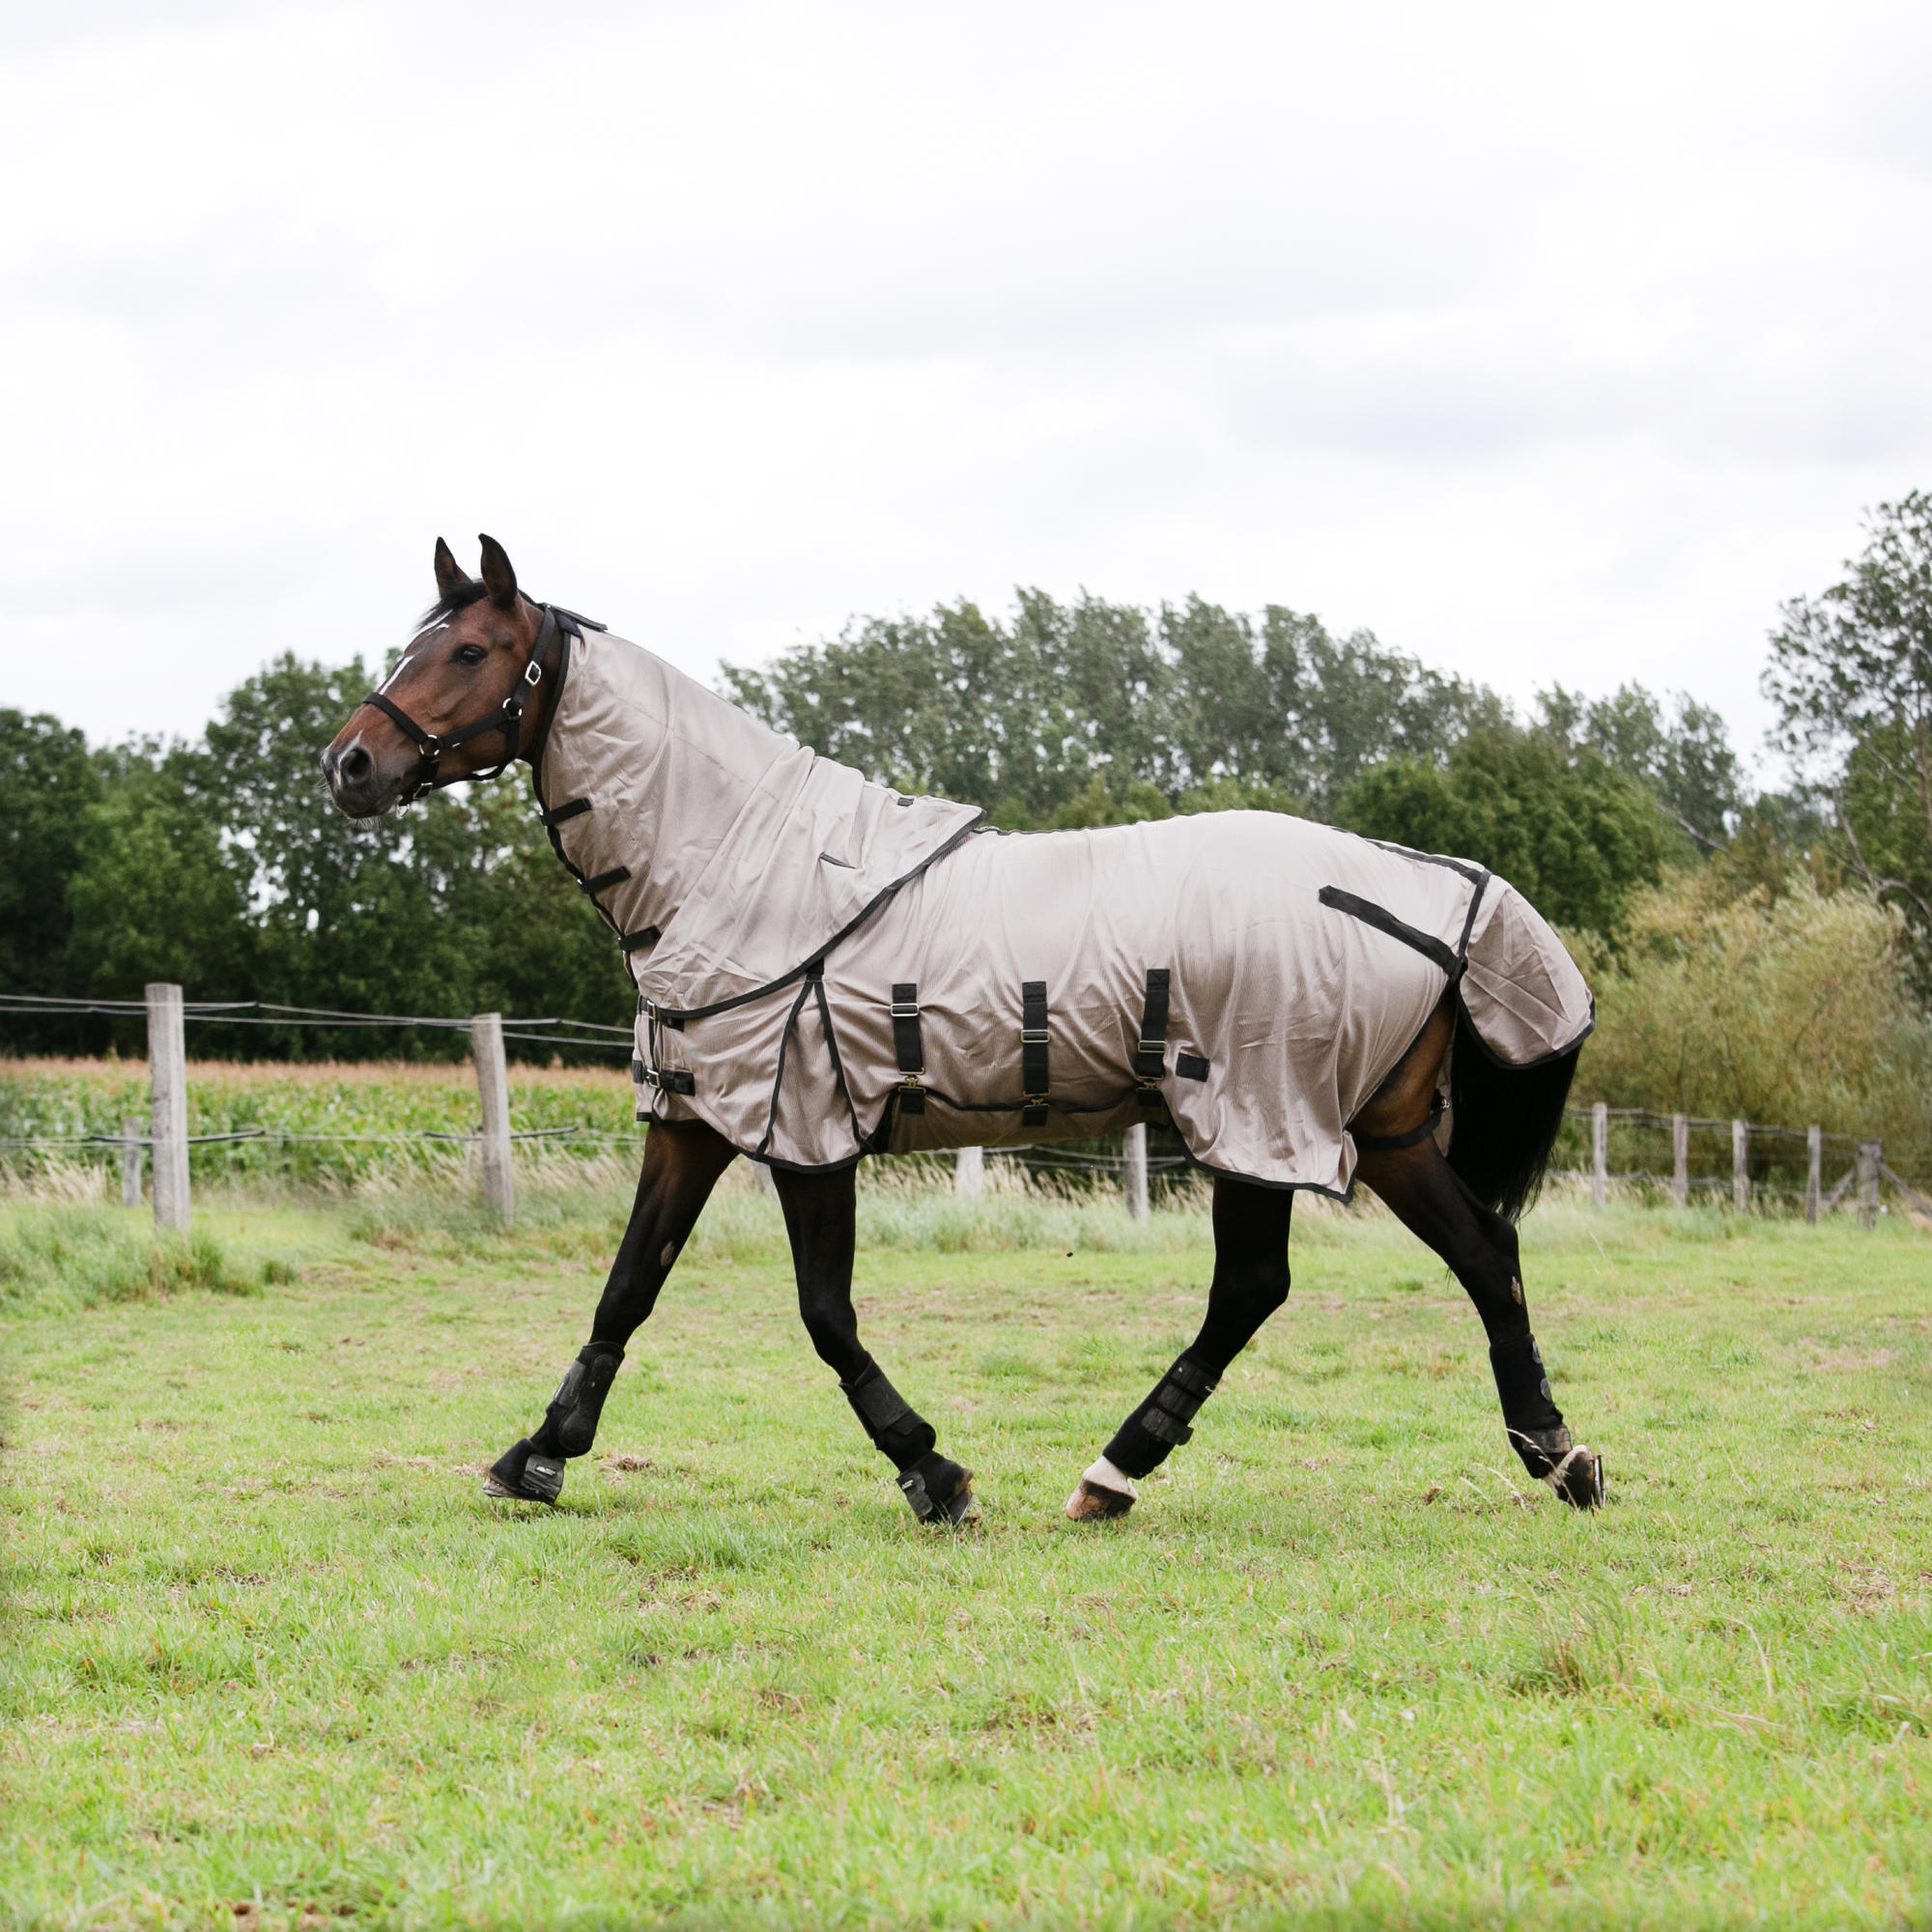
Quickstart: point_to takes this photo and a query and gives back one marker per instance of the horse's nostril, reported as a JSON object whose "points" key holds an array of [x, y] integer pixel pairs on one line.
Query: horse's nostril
{"points": [[354, 765]]}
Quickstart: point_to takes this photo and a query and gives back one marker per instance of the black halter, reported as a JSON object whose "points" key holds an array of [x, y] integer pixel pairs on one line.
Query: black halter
{"points": [[508, 717]]}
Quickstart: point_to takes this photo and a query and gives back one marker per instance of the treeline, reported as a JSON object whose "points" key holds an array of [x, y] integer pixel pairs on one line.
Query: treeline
{"points": [[221, 865], [1096, 713]]}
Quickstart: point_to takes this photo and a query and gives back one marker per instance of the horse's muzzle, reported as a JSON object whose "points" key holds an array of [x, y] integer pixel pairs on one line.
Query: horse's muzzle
{"points": [[358, 785]]}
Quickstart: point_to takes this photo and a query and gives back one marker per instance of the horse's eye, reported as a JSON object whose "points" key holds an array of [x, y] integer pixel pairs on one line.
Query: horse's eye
{"points": [[469, 654]]}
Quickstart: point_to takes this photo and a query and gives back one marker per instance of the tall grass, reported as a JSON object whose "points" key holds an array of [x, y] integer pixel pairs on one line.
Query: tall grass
{"points": [[65, 1257]]}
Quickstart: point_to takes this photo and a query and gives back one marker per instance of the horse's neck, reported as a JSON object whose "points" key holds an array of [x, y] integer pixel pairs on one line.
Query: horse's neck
{"points": [[668, 767]]}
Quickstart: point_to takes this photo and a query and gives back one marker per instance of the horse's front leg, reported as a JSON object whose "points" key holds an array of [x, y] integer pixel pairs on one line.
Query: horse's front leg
{"points": [[1250, 1283], [681, 1167], [1431, 1199], [819, 1210]]}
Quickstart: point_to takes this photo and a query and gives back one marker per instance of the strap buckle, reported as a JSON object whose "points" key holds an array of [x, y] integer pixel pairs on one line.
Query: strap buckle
{"points": [[1033, 1035], [670, 1079], [533, 673]]}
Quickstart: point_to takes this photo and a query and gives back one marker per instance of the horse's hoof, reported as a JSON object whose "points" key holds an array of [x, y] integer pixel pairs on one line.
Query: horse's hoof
{"points": [[526, 1475], [1579, 1479], [938, 1491], [1090, 1503]]}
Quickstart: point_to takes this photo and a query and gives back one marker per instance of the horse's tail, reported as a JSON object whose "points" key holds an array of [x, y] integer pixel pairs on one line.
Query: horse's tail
{"points": [[1505, 1119]]}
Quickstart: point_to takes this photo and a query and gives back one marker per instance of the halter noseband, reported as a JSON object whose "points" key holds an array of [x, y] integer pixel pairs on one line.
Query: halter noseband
{"points": [[508, 717]]}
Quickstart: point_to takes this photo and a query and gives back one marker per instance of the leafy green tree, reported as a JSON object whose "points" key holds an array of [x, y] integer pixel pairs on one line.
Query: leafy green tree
{"points": [[153, 895], [47, 781], [1851, 674], [1026, 718], [1568, 829], [1683, 755]]}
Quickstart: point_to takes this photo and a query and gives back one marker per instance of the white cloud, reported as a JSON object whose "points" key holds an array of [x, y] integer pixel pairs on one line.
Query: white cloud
{"points": [[1546, 344]]}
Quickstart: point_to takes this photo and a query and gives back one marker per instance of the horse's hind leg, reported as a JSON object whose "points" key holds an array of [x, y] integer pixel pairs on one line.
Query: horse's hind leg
{"points": [[1432, 1201], [819, 1212], [1250, 1283], [681, 1167]]}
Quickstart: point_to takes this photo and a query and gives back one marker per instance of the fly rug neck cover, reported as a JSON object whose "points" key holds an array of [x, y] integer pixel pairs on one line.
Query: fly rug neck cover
{"points": [[827, 967]]}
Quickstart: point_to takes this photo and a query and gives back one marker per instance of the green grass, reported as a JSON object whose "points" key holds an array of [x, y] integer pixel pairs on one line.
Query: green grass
{"points": [[269, 1659]]}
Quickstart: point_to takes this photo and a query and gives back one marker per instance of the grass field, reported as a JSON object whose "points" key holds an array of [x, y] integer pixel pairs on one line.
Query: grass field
{"points": [[271, 1658]]}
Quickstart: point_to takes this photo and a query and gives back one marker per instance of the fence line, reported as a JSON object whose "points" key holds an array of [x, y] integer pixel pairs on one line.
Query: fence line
{"points": [[166, 1012], [268, 1013], [1868, 1165]]}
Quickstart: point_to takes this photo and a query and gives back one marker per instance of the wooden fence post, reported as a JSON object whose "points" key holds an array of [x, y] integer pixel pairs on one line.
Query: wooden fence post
{"points": [[1600, 1154], [493, 1089], [1680, 1159], [130, 1163], [1869, 1153], [969, 1171], [1814, 1156], [167, 1070], [1740, 1166], [1137, 1171]]}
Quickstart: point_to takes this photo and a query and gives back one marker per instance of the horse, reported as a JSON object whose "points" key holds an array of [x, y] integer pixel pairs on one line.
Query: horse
{"points": [[828, 969]]}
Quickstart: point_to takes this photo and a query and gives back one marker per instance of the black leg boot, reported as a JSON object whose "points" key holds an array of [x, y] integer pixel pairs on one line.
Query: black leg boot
{"points": [[533, 1470], [936, 1488]]}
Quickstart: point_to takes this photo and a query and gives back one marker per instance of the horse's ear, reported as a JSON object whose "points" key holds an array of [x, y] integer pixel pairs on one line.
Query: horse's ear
{"points": [[499, 578], [450, 576]]}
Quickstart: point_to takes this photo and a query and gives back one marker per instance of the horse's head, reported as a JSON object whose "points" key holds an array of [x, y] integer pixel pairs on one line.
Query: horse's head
{"points": [[462, 698]]}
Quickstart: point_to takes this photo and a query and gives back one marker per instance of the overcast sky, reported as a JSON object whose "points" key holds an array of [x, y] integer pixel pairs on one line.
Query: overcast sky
{"points": [[1547, 343]]}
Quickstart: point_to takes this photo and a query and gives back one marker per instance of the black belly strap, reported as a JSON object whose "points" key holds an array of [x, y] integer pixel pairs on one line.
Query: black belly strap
{"points": [[1150, 1052], [908, 1049], [1033, 1078]]}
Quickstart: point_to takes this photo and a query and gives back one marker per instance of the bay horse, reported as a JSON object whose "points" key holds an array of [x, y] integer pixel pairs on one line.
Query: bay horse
{"points": [[1331, 999]]}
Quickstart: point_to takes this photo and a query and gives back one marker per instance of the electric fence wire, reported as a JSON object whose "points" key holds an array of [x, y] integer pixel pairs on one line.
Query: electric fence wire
{"points": [[268, 1013]]}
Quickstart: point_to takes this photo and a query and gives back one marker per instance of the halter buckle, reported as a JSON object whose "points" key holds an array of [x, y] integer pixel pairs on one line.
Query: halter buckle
{"points": [[533, 673]]}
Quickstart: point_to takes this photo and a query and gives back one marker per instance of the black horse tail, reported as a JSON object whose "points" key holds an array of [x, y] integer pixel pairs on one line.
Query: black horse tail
{"points": [[1504, 1119]]}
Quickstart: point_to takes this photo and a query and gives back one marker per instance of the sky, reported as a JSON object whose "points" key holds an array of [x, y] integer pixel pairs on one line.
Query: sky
{"points": [[1548, 344]]}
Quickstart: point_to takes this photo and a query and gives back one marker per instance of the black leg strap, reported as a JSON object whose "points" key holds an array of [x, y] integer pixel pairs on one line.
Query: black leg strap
{"points": [[1034, 1082], [1142, 1442], [908, 1049], [899, 1432]]}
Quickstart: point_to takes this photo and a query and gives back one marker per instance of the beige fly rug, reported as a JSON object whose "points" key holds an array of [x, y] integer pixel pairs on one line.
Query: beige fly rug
{"points": [[826, 967]]}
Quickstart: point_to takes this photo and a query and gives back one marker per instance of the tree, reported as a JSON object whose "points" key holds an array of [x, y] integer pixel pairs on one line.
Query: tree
{"points": [[1570, 833], [1851, 674], [1684, 756], [153, 895], [1026, 718], [47, 781], [1743, 1005]]}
